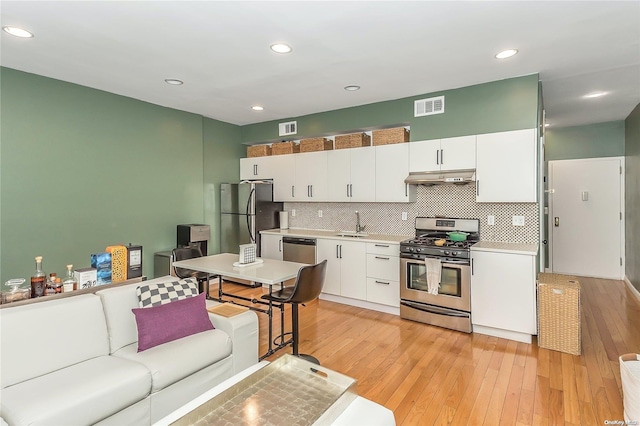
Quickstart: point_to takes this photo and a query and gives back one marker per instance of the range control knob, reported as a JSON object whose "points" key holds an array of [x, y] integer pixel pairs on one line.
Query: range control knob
{"points": [[447, 252], [454, 253], [410, 248]]}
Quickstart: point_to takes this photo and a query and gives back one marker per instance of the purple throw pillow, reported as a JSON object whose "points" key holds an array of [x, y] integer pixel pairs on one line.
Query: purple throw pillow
{"points": [[171, 321]]}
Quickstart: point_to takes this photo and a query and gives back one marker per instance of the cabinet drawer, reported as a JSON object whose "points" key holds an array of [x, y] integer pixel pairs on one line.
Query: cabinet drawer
{"points": [[385, 292], [383, 267], [384, 248]]}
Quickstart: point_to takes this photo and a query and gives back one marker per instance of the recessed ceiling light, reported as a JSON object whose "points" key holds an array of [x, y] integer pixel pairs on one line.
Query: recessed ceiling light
{"points": [[595, 94], [18, 32], [352, 87], [173, 81], [257, 108], [506, 53], [281, 48]]}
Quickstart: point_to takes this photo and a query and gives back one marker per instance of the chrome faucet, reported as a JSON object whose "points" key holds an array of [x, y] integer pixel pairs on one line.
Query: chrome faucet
{"points": [[358, 227]]}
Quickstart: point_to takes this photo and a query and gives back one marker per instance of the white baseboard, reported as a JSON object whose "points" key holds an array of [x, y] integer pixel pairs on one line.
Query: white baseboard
{"points": [[361, 304], [632, 288], [504, 334]]}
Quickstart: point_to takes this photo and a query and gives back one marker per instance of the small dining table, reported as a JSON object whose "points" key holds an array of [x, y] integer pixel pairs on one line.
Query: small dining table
{"points": [[264, 271]]}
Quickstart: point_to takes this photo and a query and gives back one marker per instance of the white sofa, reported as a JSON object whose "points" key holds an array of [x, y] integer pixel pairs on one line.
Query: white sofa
{"points": [[74, 361]]}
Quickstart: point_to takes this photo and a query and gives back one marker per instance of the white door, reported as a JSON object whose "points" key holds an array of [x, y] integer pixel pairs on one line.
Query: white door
{"points": [[328, 250], [353, 267], [585, 217], [271, 246], [424, 156], [311, 176], [284, 177], [458, 153], [339, 174], [392, 167], [363, 174]]}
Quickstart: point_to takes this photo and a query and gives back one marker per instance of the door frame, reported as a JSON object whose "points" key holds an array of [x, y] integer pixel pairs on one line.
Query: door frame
{"points": [[622, 206]]}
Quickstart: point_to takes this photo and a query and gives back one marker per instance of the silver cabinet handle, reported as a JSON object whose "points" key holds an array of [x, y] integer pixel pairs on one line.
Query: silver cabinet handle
{"points": [[337, 251], [471, 266], [347, 190], [382, 258], [255, 170], [382, 245], [308, 190], [293, 191], [477, 188], [406, 189], [437, 156], [311, 186], [382, 282], [340, 251], [442, 156], [280, 245]]}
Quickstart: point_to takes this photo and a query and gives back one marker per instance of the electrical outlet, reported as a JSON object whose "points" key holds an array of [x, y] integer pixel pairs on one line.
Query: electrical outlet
{"points": [[293, 212], [491, 220], [404, 215], [319, 213], [517, 220]]}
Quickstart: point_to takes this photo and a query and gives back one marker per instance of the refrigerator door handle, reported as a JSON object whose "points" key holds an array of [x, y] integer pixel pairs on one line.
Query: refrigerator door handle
{"points": [[250, 217]]}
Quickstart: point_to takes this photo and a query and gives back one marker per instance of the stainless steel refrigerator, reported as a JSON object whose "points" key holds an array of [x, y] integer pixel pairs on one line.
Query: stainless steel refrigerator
{"points": [[246, 209]]}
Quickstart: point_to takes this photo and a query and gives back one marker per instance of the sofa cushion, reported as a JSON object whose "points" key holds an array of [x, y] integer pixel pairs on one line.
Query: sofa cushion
{"points": [[165, 323], [175, 360], [81, 394], [117, 303], [47, 336], [154, 294]]}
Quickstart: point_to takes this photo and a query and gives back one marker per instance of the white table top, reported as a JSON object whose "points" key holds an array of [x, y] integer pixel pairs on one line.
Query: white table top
{"points": [[360, 412], [269, 272]]}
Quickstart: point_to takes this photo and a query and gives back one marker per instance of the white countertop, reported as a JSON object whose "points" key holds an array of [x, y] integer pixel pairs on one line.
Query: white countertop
{"points": [[515, 248], [317, 233]]}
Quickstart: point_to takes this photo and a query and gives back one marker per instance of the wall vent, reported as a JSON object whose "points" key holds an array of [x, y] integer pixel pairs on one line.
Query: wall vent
{"points": [[290, 128], [429, 106]]}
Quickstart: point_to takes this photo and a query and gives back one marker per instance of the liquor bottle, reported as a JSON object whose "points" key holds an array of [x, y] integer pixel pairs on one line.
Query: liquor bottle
{"points": [[69, 283], [51, 282], [38, 280], [57, 286]]}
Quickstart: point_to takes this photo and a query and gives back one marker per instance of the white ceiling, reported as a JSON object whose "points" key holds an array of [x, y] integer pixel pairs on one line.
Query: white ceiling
{"points": [[392, 49]]}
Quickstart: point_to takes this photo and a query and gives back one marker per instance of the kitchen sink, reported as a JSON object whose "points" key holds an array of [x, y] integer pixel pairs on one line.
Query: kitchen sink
{"points": [[352, 234]]}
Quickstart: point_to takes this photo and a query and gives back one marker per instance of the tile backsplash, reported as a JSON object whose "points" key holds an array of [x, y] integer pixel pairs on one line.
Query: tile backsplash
{"points": [[439, 200]]}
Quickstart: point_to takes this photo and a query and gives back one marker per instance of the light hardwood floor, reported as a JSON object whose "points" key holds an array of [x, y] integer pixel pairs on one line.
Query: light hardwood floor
{"points": [[429, 375]]}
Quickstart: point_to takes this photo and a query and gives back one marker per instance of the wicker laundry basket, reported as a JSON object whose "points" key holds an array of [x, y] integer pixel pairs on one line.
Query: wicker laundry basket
{"points": [[630, 375], [559, 313]]}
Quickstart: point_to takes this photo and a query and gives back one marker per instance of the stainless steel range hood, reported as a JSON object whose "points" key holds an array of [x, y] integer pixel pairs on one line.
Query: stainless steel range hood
{"points": [[453, 177]]}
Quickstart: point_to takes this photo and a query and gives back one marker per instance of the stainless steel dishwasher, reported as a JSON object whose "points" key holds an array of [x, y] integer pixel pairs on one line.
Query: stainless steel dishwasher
{"points": [[302, 250]]}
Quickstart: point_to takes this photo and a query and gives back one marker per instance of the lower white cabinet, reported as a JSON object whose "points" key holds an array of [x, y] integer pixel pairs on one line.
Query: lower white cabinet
{"points": [[383, 274], [346, 267], [503, 294], [271, 246]]}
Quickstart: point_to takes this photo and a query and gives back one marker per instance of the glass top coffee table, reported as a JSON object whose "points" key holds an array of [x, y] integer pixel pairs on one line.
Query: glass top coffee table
{"points": [[288, 391]]}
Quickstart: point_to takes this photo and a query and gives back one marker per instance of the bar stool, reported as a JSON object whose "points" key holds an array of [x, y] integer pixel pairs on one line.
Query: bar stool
{"points": [[307, 287], [191, 253]]}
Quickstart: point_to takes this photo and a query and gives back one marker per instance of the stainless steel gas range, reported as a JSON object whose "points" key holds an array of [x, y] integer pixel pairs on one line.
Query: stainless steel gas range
{"points": [[451, 306]]}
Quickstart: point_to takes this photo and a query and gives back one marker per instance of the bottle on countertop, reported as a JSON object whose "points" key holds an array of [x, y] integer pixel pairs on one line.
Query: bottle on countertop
{"points": [[69, 283], [38, 280], [57, 286], [51, 282]]}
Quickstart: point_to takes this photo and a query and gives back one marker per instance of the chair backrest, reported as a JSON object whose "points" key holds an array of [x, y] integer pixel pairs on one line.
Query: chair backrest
{"points": [[185, 253], [309, 283]]}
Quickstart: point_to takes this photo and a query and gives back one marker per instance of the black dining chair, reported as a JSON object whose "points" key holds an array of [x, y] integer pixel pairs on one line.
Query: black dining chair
{"points": [[185, 253], [307, 287]]}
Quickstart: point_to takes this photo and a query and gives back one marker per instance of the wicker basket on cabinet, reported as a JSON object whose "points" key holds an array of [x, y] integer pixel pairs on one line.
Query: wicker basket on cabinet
{"points": [[390, 136], [280, 148], [315, 144], [559, 313], [354, 140], [258, 150]]}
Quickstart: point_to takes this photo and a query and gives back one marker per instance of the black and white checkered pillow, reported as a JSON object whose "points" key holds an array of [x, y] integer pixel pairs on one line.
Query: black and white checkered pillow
{"points": [[161, 293]]}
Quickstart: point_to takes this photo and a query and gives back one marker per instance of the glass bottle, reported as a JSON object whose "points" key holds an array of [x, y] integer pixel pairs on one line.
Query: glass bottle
{"points": [[57, 285], [38, 280], [50, 288], [69, 283]]}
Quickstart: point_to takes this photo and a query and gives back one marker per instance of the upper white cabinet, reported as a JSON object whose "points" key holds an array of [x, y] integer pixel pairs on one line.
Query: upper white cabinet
{"points": [[457, 153], [284, 175], [351, 174], [506, 166], [311, 176], [392, 167], [257, 168]]}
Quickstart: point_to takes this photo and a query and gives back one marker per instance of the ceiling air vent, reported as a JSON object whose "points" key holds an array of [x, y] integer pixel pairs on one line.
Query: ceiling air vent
{"points": [[429, 106], [290, 128]]}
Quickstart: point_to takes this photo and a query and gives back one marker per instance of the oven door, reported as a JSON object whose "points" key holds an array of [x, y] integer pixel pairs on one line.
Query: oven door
{"points": [[455, 284]]}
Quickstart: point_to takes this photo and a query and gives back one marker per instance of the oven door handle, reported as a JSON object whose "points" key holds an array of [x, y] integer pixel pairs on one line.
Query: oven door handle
{"points": [[435, 310]]}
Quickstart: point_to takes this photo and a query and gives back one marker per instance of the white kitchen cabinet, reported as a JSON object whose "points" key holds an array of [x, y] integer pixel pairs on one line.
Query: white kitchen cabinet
{"points": [[257, 168], [311, 176], [506, 167], [457, 153], [284, 177], [271, 246], [392, 168], [346, 267], [503, 294], [351, 175], [383, 274]]}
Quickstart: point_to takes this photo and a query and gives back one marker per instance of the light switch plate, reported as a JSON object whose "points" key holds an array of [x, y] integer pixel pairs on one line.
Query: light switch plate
{"points": [[517, 220], [404, 215], [491, 220], [293, 212], [319, 213]]}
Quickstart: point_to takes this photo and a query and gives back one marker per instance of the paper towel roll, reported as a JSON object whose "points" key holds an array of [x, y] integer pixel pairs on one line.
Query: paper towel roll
{"points": [[284, 220]]}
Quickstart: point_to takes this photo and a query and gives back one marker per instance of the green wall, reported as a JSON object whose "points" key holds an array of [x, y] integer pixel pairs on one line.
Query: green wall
{"points": [[632, 197], [590, 141], [222, 154], [484, 108], [82, 169]]}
